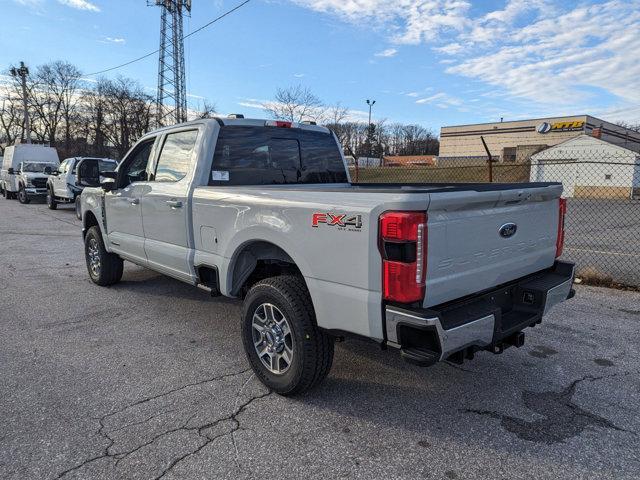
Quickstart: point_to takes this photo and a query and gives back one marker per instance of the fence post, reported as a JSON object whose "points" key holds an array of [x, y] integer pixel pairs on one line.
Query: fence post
{"points": [[490, 159]]}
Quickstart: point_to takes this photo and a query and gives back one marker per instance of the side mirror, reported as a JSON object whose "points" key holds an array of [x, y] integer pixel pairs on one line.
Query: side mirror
{"points": [[109, 174], [108, 185], [47, 170], [88, 173], [11, 171]]}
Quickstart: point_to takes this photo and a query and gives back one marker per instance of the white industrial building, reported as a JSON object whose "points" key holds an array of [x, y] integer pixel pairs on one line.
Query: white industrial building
{"points": [[589, 167]]}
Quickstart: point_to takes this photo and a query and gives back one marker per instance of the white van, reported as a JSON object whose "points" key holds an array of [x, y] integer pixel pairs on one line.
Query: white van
{"points": [[25, 170]]}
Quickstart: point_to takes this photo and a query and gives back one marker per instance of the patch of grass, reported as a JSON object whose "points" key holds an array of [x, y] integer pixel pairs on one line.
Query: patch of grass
{"points": [[592, 276], [450, 174]]}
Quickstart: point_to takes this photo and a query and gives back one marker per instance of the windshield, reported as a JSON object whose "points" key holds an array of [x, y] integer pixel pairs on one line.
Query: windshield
{"points": [[247, 155], [36, 167]]}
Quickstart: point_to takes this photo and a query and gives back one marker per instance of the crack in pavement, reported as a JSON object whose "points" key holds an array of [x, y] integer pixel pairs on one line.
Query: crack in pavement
{"points": [[233, 417], [201, 429], [563, 418]]}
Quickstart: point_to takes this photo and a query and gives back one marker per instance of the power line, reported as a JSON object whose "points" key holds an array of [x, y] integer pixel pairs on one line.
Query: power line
{"points": [[206, 25]]}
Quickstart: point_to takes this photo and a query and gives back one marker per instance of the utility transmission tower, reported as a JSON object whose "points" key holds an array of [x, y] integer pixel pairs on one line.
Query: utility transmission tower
{"points": [[171, 106], [22, 72]]}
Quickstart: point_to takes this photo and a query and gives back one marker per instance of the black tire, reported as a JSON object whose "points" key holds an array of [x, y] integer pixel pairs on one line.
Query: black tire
{"points": [[312, 348], [110, 266], [78, 209], [23, 198], [51, 200]]}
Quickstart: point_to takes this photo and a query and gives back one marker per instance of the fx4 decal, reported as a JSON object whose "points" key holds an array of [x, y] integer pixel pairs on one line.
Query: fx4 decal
{"points": [[340, 220]]}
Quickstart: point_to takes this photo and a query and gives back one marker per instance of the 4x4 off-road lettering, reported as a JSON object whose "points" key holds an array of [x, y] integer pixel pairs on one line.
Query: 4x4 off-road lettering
{"points": [[337, 220]]}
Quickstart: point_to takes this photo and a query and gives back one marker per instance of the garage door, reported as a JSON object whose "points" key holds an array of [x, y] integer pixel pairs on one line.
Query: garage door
{"points": [[563, 171]]}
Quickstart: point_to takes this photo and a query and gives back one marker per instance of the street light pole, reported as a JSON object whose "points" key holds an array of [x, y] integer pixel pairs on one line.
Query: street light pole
{"points": [[371, 103], [22, 72]]}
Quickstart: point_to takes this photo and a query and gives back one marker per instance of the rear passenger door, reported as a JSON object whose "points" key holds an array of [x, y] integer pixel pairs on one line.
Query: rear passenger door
{"points": [[165, 205]]}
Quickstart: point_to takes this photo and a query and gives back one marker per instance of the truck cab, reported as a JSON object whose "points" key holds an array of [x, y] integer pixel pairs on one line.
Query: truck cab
{"points": [[25, 169]]}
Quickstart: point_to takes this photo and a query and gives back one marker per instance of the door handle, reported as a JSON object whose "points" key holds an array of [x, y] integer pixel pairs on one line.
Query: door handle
{"points": [[135, 201], [174, 203]]}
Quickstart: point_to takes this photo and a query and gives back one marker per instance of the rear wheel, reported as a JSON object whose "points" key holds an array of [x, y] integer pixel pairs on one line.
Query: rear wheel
{"points": [[22, 195], [51, 200], [285, 348], [104, 268]]}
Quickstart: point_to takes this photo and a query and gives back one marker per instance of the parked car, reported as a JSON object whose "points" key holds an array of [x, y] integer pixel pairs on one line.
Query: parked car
{"points": [[264, 211], [62, 186], [14, 183]]}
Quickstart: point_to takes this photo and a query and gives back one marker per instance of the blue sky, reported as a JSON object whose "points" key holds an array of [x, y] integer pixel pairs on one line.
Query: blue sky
{"points": [[430, 62]]}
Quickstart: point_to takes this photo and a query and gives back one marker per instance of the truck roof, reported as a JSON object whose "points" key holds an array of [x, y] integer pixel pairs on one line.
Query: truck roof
{"points": [[247, 122]]}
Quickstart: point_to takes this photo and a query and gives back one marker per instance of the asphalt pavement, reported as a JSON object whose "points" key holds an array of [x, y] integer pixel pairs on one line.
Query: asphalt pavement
{"points": [[148, 379]]}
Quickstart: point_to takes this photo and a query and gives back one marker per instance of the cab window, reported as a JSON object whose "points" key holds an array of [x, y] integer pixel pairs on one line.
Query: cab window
{"points": [[175, 156], [134, 168]]}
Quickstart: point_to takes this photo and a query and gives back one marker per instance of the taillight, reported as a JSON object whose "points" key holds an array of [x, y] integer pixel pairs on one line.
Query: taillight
{"points": [[403, 243], [562, 207]]}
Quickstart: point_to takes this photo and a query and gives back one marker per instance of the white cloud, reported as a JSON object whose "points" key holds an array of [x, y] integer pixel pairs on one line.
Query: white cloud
{"points": [[450, 49], [299, 75], [441, 100], [80, 5], [389, 52], [566, 55], [562, 60], [117, 40], [412, 21]]}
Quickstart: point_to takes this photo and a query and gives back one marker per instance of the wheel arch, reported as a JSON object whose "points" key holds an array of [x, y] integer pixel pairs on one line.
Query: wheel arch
{"points": [[255, 260], [89, 221]]}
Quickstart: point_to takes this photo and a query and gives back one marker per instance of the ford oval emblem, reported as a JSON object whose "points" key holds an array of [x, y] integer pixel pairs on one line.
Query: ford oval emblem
{"points": [[508, 230]]}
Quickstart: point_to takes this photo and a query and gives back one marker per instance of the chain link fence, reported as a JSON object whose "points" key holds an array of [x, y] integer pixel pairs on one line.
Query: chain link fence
{"points": [[601, 183]]}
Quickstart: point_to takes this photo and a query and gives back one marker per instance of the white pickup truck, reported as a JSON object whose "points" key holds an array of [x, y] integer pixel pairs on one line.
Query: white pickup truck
{"points": [[264, 211]]}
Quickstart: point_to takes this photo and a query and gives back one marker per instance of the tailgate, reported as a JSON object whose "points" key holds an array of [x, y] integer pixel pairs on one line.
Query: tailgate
{"points": [[472, 245]]}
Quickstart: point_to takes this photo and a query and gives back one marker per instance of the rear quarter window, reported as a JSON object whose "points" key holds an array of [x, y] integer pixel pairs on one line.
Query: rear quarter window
{"points": [[267, 156]]}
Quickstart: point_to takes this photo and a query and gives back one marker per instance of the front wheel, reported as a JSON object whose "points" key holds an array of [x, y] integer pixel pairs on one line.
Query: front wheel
{"points": [[104, 268], [22, 195], [51, 200], [285, 348]]}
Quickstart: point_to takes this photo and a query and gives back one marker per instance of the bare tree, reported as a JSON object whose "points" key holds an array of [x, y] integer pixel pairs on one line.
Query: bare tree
{"points": [[11, 121], [206, 109], [629, 126], [295, 104]]}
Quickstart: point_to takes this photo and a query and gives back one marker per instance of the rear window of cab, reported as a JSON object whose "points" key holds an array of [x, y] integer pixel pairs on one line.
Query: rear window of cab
{"points": [[248, 155]]}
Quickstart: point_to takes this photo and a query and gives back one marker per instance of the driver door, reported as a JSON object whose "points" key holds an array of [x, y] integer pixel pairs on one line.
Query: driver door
{"points": [[59, 181], [123, 207]]}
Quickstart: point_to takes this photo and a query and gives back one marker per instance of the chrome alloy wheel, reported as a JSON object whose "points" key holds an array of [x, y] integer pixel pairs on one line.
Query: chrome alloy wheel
{"points": [[94, 257], [272, 338]]}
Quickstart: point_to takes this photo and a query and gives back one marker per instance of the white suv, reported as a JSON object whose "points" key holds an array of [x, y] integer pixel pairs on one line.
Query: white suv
{"points": [[62, 186]]}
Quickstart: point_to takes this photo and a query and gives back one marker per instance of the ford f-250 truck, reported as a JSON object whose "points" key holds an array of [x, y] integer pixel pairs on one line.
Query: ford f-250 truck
{"points": [[265, 211]]}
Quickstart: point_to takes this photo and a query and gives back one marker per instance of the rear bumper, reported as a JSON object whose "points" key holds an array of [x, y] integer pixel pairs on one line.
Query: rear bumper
{"points": [[492, 320]]}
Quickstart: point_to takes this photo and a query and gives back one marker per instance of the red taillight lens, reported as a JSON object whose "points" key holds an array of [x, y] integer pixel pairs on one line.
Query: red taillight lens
{"points": [[560, 239], [399, 282], [403, 238], [401, 226]]}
